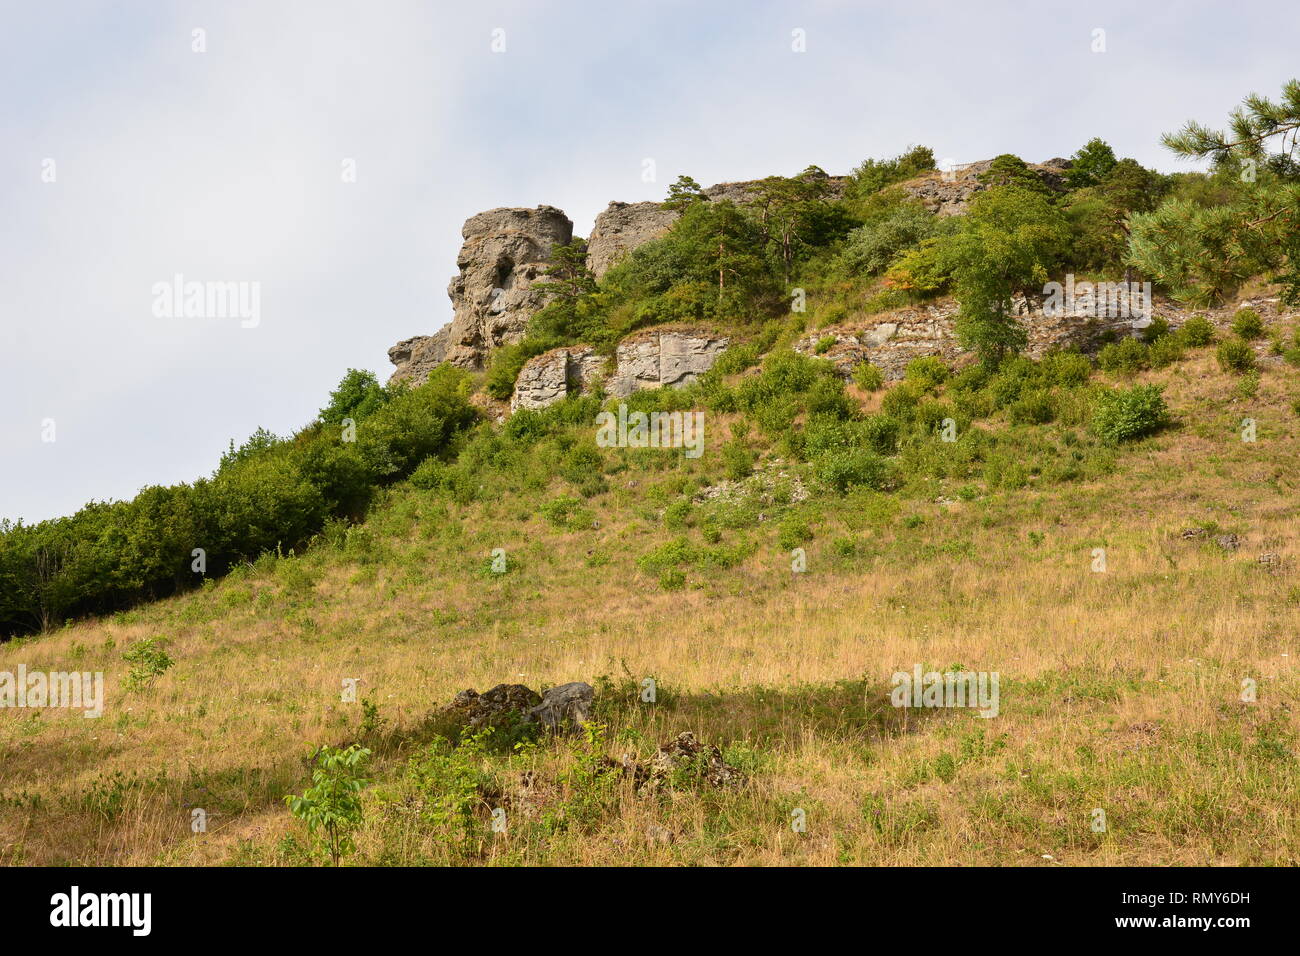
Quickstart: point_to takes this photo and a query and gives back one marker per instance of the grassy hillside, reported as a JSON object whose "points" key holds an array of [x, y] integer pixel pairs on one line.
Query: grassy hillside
{"points": [[1120, 690]]}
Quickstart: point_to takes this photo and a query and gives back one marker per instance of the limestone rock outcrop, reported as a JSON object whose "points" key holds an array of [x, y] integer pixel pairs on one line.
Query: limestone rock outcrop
{"points": [[654, 359], [564, 708], [621, 228], [504, 254], [948, 193], [419, 355], [549, 377], [506, 251], [891, 340]]}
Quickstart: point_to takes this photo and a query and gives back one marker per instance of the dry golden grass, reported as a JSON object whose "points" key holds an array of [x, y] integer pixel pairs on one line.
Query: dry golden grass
{"points": [[1120, 690]]}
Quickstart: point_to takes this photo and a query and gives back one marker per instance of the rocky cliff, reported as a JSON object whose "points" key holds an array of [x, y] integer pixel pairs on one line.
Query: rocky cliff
{"points": [[655, 358], [506, 251], [504, 254], [948, 193]]}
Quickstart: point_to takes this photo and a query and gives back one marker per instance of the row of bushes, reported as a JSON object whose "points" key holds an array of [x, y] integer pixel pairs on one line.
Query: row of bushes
{"points": [[268, 494]]}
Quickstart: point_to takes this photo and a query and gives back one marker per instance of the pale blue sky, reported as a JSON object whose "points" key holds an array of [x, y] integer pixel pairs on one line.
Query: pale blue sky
{"points": [[225, 165]]}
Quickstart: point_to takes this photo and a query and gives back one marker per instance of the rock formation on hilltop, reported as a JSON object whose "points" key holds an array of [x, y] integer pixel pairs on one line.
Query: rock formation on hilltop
{"points": [[508, 250], [949, 192], [504, 254], [621, 228]]}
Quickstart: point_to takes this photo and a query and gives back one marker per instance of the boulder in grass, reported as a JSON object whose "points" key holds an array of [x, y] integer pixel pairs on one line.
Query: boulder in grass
{"points": [[564, 709]]}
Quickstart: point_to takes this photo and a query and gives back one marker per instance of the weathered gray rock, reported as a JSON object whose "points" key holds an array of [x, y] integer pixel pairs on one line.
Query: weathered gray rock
{"points": [[891, 341], [948, 193], [416, 357], [621, 228], [685, 757], [651, 359], [654, 359], [564, 708], [479, 709], [551, 376], [504, 255]]}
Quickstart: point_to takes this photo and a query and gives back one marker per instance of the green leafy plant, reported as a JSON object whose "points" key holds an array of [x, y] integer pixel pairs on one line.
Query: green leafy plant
{"points": [[1235, 355], [148, 661], [1196, 332], [868, 377], [331, 806], [1248, 324], [1125, 414]]}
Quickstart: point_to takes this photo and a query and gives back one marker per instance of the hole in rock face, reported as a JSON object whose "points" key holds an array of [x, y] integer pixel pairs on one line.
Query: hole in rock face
{"points": [[504, 268]]}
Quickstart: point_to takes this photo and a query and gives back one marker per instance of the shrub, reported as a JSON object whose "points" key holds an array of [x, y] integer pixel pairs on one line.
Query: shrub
{"points": [[1126, 356], [672, 580], [148, 661], [565, 512], [793, 532], [1196, 332], [737, 460], [1157, 330], [824, 344], [1248, 324], [1037, 407], [879, 433], [928, 372], [869, 249], [1166, 350], [850, 467], [428, 474], [868, 377], [1066, 368], [358, 396], [900, 401], [1235, 355], [1124, 414]]}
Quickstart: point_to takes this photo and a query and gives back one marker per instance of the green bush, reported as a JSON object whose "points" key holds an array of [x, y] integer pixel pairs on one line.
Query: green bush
{"points": [[1248, 324], [1066, 368], [927, 372], [1166, 350], [358, 396], [331, 807], [1196, 332], [1127, 356], [1125, 414], [737, 460], [868, 377], [851, 467], [900, 402], [148, 661], [1157, 330], [673, 579], [869, 249], [507, 362], [1235, 355], [793, 532], [1037, 407]]}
